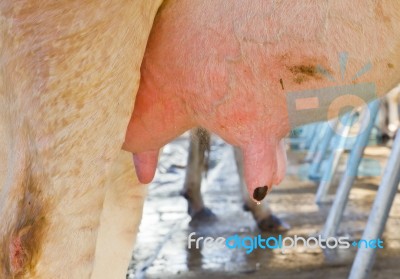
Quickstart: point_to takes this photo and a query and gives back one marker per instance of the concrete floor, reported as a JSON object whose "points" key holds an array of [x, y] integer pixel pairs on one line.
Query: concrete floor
{"points": [[161, 250]]}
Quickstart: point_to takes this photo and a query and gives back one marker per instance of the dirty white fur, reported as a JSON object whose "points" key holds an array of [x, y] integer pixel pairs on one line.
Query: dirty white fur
{"points": [[69, 72]]}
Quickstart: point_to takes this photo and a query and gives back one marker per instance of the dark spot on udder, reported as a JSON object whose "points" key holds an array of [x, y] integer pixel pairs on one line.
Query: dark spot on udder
{"points": [[304, 73], [390, 65], [308, 70], [281, 82]]}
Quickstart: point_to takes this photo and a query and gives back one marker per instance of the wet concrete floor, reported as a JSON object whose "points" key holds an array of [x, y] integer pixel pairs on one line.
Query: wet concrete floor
{"points": [[162, 244]]}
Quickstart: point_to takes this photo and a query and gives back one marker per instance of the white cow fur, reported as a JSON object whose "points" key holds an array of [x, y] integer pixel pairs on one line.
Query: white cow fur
{"points": [[69, 72]]}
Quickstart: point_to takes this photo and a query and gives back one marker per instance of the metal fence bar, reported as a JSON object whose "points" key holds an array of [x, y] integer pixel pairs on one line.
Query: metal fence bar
{"points": [[365, 257], [339, 142], [314, 172], [342, 194]]}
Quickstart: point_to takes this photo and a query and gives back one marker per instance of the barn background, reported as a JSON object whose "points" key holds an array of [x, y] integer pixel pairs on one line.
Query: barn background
{"points": [[161, 250]]}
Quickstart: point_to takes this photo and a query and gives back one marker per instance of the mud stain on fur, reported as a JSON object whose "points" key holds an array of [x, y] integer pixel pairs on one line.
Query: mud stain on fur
{"points": [[381, 14], [22, 245], [28, 235]]}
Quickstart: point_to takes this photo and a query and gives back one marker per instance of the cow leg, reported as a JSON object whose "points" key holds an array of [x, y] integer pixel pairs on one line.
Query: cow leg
{"points": [[388, 120], [122, 211], [69, 73], [196, 164], [393, 111], [262, 213]]}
